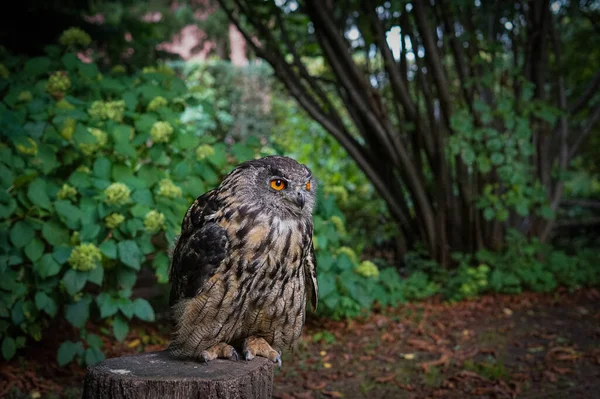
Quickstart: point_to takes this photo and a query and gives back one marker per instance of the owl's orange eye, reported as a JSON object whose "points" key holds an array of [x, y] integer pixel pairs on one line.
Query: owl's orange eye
{"points": [[308, 186], [278, 184]]}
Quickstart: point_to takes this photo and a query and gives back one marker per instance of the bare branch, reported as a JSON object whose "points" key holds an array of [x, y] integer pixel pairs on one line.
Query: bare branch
{"points": [[591, 89]]}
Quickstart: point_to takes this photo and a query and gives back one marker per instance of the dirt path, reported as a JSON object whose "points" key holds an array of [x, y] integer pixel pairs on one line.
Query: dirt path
{"points": [[530, 346], [526, 346]]}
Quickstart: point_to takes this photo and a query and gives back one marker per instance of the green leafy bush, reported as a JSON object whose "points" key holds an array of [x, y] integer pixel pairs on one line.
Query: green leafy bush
{"points": [[97, 171]]}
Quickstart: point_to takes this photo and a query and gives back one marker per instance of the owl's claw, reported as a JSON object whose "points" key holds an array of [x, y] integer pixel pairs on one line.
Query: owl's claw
{"points": [[221, 350], [278, 360], [254, 346], [248, 355], [234, 354]]}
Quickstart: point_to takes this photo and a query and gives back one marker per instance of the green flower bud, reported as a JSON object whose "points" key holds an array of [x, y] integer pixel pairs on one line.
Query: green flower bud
{"points": [[75, 238], [117, 194], [85, 257], [339, 224], [154, 222], [161, 132], [157, 103], [114, 220], [349, 252], [25, 96], [101, 139], [64, 105], [118, 69], [167, 188], [339, 192], [30, 149], [58, 82], [102, 110], [367, 269], [204, 151], [66, 192], [75, 36], [4, 73], [68, 128]]}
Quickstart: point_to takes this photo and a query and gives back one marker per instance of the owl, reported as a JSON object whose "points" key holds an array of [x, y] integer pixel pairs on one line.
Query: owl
{"points": [[244, 266]]}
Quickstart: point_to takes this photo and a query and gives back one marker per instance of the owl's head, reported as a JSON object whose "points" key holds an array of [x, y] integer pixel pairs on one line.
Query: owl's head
{"points": [[277, 184]]}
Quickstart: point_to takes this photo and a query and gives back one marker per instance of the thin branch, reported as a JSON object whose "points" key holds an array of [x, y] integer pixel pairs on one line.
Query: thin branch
{"points": [[581, 102], [585, 131]]}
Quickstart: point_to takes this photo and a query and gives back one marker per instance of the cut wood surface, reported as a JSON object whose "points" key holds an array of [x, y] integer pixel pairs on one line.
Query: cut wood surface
{"points": [[158, 375]]}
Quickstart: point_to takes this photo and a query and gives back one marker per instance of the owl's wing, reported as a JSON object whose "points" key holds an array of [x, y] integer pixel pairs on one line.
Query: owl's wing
{"points": [[310, 275], [200, 249]]}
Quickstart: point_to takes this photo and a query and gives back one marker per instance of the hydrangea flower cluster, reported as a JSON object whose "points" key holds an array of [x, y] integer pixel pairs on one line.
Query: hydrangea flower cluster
{"points": [[103, 110], [204, 151], [85, 257], [117, 194], [339, 224], [167, 188], [25, 96], [114, 220], [161, 132], [367, 269], [154, 222], [68, 128], [31, 149], [64, 105], [66, 192], [157, 103], [58, 82], [349, 252], [75, 36], [101, 140], [4, 73]]}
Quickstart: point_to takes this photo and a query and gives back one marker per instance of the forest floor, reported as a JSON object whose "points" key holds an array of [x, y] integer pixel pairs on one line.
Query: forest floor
{"points": [[496, 346]]}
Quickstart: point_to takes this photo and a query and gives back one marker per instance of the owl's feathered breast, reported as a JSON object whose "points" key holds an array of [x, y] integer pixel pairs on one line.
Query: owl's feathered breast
{"points": [[258, 257]]}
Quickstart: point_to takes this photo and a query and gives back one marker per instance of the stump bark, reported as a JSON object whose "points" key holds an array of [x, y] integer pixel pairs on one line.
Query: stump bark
{"points": [[157, 375]]}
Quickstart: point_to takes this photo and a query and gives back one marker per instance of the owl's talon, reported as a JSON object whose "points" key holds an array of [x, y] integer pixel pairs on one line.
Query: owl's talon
{"points": [[278, 360], [248, 355], [234, 354]]}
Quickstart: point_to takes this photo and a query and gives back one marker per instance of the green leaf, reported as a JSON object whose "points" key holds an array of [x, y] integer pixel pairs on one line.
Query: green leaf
{"points": [[34, 250], [66, 353], [126, 278], [21, 234], [54, 234], [69, 214], [45, 303], [108, 305], [143, 310], [47, 266], [120, 328], [78, 313], [488, 214], [522, 209], [102, 168], [497, 158], [129, 254], [109, 249], [161, 265], [37, 66], [96, 275], [36, 192], [94, 340], [74, 281], [9, 348], [93, 355], [62, 254]]}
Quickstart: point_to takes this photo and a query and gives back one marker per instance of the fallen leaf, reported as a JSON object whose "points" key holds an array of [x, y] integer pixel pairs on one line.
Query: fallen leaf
{"points": [[322, 353], [133, 344], [303, 395], [317, 386], [333, 394], [327, 365], [507, 311], [386, 378], [408, 356]]}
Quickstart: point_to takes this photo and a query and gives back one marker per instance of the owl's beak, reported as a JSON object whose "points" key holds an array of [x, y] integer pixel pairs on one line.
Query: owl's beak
{"points": [[300, 199]]}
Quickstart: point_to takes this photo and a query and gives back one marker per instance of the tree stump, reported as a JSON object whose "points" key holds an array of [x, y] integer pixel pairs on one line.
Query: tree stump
{"points": [[158, 375]]}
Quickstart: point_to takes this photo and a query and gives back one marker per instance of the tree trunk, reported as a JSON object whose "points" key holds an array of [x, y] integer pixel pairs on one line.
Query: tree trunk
{"points": [[158, 375]]}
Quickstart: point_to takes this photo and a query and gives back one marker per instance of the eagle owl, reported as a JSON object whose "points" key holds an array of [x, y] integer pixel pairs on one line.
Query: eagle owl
{"points": [[244, 264]]}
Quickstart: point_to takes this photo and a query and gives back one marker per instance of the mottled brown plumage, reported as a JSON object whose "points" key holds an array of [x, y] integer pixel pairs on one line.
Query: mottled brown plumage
{"points": [[244, 264]]}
